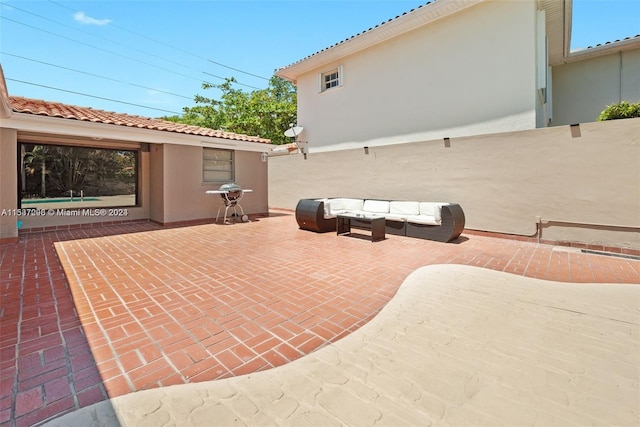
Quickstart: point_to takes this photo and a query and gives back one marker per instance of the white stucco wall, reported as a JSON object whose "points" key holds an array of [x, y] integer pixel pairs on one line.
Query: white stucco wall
{"points": [[581, 90], [471, 73], [585, 176]]}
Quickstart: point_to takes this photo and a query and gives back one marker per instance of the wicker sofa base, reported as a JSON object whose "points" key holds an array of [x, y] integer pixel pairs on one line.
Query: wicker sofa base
{"points": [[310, 216]]}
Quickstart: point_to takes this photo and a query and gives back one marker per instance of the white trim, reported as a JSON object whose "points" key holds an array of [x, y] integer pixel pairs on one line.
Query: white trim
{"points": [[339, 70], [604, 49], [419, 17]]}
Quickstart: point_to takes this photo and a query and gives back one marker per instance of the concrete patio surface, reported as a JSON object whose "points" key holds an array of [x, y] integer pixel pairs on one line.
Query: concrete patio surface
{"points": [[92, 314], [457, 345]]}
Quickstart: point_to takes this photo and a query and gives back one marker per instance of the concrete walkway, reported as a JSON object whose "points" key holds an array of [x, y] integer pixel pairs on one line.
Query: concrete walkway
{"points": [[457, 345]]}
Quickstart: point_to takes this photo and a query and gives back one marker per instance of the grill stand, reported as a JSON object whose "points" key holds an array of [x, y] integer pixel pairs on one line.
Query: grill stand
{"points": [[231, 201], [231, 195]]}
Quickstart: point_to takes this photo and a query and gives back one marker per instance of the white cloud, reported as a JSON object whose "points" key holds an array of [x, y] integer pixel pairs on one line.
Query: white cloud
{"points": [[84, 19]]}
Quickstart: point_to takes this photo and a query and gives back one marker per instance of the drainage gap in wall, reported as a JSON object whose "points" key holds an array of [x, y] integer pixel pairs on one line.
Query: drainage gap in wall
{"points": [[589, 251]]}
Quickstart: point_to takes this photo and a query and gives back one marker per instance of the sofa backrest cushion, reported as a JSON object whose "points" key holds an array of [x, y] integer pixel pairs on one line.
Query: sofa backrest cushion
{"points": [[335, 206], [431, 209], [377, 206], [404, 208]]}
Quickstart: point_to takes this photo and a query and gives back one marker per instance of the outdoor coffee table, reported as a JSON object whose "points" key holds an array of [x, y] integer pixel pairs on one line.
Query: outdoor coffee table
{"points": [[343, 225]]}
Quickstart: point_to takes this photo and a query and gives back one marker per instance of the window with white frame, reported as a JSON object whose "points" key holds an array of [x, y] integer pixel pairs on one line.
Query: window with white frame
{"points": [[217, 165], [331, 79]]}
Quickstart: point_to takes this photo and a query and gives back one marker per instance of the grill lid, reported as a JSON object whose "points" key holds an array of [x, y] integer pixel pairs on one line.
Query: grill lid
{"points": [[231, 187]]}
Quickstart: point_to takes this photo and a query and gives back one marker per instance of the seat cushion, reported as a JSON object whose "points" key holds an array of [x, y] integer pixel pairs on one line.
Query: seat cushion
{"points": [[396, 217], [424, 219]]}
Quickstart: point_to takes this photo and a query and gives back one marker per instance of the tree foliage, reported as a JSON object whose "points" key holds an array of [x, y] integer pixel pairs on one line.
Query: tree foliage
{"points": [[621, 110], [52, 171], [267, 113]]}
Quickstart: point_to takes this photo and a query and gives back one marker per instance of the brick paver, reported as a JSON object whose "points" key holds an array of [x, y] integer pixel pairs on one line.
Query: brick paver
{"points": [[457, 345], [117, 309]]}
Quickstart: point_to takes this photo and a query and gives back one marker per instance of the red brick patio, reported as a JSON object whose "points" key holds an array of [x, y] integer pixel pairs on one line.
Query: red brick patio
{"points": [[93, 313]]}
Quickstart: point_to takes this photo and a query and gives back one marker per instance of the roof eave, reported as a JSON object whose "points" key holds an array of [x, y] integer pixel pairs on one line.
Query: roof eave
{"points": [[604, 49], [402, 24], [27, 122]]}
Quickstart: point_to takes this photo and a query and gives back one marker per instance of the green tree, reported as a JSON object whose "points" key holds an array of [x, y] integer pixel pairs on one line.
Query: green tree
{"points": [[53, 170], [267, 113], [621, 110]]}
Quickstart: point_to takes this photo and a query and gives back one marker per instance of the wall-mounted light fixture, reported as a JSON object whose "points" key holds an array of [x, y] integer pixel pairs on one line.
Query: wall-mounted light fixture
{"points": [[263, 157], [366, 150], [447, 142]]}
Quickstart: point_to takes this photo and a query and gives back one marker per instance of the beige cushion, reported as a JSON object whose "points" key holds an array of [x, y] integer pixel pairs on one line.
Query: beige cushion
{"points": [[424, 219]]}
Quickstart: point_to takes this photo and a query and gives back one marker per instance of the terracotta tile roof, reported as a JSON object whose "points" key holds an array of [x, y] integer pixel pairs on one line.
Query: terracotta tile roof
{"points": [[637, 36], [87, 114]]}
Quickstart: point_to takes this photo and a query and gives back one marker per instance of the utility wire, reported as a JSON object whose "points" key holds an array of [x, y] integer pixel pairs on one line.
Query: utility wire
{"points": [[115, 53], [91, 96], [99, 48], [218, 77], [94, 75], [235, 69], [170, 46], [95, 36]]}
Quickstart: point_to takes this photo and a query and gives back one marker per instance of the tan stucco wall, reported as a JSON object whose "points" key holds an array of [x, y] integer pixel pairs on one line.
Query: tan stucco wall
{"points": [[502, 181], [581, 90], [183, 191], [8, 184], [156, 182], [472, 73], [170, 187]]}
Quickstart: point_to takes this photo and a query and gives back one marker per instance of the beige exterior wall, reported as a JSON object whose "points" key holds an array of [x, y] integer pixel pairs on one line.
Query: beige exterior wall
{"points": [[581, 90], [472, 73], [170, 187], [156, 182], [8, 184], [179, 194], [502, 181]]}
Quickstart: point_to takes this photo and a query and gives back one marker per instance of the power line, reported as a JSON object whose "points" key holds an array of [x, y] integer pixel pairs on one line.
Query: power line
{"points": [[116, 53], [235, 69], [170, 46], [95, 36], [218, 77], [94, 75], [91, 96], [99, 48]]}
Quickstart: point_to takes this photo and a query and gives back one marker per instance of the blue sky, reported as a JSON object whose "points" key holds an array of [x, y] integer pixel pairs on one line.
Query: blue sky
{"points": [[153, 55]]}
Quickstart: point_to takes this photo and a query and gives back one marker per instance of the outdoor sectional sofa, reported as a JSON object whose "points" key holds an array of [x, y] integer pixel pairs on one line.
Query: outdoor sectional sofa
{"points": [[442, 222]]}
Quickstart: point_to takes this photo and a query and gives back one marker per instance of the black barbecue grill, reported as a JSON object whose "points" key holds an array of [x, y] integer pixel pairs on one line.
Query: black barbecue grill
{"points": [[231, 194]]}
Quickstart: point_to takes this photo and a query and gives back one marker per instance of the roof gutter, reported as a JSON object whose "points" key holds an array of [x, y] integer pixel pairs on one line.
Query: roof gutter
{"points": [[605, 49]]}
